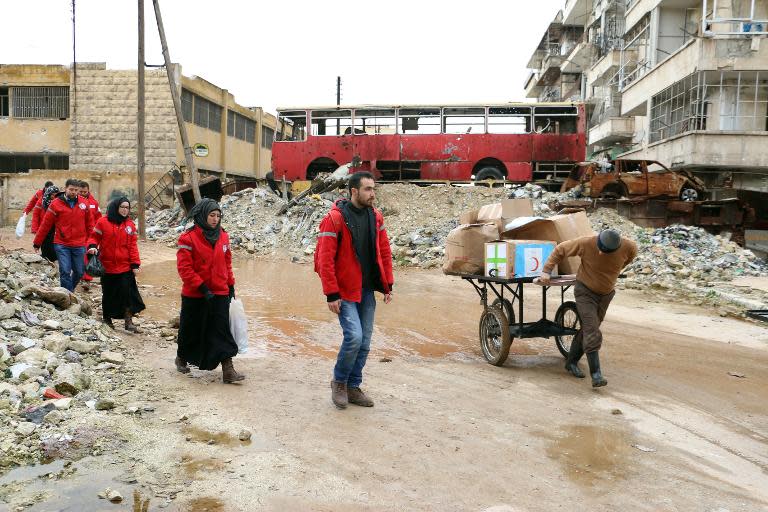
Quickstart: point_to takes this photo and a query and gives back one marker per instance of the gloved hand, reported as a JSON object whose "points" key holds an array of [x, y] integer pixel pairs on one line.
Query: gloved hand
{"points": [[207, 293], [232, 292]]}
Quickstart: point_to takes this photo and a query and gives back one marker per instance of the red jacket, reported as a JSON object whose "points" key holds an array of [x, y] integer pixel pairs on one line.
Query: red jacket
{"points": [[72, 225], [336, 261], [35, 205], [200, 263], [117, 244], [93, 207]]}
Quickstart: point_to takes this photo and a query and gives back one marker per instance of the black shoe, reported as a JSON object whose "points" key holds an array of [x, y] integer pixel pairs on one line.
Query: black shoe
{"points": [[594, 370], [572, 363]]}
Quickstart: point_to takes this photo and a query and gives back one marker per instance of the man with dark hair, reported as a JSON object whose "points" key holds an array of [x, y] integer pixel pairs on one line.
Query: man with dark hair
{"points": [[35, 205], [354, 259], [95, 211], [603, 257], [69, 216]]}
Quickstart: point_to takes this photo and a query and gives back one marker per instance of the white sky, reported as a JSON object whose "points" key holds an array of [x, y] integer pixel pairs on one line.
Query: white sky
{"points": [[288, 53]]}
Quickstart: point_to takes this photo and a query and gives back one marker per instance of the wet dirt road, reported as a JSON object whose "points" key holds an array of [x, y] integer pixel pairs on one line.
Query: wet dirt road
{"points": [[674, 430]]}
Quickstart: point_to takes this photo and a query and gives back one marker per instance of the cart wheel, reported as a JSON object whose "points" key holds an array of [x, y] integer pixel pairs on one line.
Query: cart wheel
{"points": [[567, 316], [507, 309], [494, 335]]}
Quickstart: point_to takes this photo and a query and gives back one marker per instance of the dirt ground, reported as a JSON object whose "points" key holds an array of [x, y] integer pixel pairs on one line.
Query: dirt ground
{"points": [[681, 426]]}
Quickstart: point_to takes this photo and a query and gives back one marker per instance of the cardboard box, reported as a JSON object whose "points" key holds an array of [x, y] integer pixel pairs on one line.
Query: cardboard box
{"points": [[465, 246], [517, 258], [558, 228], [469, 217], [507, 209]]}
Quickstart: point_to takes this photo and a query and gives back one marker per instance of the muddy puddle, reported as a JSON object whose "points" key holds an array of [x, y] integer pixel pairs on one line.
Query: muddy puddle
{"points": [[591, 454], [431, 316], [199, 435]]}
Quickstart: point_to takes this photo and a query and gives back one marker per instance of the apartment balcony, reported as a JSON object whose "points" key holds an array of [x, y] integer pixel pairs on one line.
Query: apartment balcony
{"points": [[605, 69], [579, 58], [532, 87], [612, 130], [577, 12]]}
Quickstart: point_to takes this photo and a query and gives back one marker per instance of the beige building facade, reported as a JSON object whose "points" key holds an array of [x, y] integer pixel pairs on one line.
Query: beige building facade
{"points": [[58, 122], [684, 82]]}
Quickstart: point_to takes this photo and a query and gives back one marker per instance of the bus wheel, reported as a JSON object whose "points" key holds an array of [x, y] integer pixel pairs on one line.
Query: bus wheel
{"points": [[489, 173], [319, 165]]}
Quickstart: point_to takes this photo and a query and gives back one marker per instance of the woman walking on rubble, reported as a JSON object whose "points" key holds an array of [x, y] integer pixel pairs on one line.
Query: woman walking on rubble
{"points": [[46, 248], [114, 238], [204, 262]]}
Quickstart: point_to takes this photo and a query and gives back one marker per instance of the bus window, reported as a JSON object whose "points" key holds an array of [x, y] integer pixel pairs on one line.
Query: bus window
{"points": [[375, 121], [419, 121], [460, 120], [291, 125], [560, 120], [509, 120], [331, 122]]}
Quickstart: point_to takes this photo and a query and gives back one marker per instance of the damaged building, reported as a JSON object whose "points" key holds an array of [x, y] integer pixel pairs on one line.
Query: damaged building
{"points": [[683, 82]]}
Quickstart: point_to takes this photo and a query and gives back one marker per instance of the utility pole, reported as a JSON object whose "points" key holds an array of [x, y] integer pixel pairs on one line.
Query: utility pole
{"points": [[338, 102], [140, 124], [177, 106]]}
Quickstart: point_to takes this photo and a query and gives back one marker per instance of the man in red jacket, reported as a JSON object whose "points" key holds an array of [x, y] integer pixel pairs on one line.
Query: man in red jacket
{"points": [[95, 211], [69, 216], [353, 259], [35, 205]]}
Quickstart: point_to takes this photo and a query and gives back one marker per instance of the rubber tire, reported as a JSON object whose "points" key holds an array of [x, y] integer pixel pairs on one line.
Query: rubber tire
{"points": [[489, 173], [508, 310], [559, 317], [686, 189], [496, 316]]}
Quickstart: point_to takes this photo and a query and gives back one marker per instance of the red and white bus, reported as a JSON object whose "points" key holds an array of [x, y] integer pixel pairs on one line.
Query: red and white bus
{"points": [[519, 142]]}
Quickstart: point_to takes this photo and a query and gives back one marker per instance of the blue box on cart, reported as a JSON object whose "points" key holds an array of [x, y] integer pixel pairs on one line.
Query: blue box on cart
{"points": [[517, 258]]}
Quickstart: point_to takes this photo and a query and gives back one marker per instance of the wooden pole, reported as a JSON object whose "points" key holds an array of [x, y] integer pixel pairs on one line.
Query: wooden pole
{"points": [[177, 106], [140, 125]]}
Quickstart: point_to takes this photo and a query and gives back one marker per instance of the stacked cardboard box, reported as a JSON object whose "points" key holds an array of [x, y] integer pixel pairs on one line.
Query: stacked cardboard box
{"points": [[511, 220]]}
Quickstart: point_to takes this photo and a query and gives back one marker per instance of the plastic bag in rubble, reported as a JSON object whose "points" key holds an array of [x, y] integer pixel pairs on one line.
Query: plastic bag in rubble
{"points": [[21, 225], [238, 324]]}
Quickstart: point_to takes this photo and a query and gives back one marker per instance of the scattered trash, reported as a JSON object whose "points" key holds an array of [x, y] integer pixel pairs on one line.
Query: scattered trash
{"points": [[385, 360], [616, 412], [737, 374], [644, 448], [244, 435]]}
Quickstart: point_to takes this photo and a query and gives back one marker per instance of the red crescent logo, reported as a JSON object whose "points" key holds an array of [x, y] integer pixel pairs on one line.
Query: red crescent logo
{"points": [[536, 267]]}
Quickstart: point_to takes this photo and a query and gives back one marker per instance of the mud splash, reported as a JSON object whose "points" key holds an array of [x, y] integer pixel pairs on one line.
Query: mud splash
{"points": [[204, 504], [199, 435]]}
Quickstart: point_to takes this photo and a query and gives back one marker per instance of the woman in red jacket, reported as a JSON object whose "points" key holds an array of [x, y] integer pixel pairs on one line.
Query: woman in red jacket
{"points": [[204, 261], [35, 205], [114, 238]]}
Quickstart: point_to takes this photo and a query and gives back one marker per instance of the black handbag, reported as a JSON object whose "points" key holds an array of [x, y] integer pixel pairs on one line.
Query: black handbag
{"points": [[94, 268]]}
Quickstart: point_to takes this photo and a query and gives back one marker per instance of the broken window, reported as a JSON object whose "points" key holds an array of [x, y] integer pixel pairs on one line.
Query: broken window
{"points": [[509, 120], [559, 120], [25, 162], [267, 136], [332, 122], [419, 121], [375, 121], [186, 105], [735, 17], [291, 125], [40, 102], [460, 120], [4, 102]]}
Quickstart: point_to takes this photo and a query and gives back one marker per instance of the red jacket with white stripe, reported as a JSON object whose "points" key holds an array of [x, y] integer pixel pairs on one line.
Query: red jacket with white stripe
{"points": [[35, 205], [200, 263], [117, 244], [93, 207], [73, 225], [336, 260]]}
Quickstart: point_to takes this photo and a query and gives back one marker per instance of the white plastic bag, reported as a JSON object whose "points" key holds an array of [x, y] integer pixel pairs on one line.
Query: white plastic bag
{"points": [[238, 324], [21, 225]]}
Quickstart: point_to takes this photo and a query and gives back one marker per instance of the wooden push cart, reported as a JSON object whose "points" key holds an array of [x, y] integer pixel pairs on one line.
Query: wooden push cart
{"points": [[499, 324]]}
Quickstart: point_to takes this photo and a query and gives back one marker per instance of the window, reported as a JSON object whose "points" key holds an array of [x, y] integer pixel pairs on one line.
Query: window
{"points": [[292, 125], [419, 121], [201, 112], [509, 120], [40, 102], [332, 122], [25, 162], [240, 127], [250, 131], [214, 117], [231, 123], [375, 121], [460, 120], [267, 136], [4, 105], [207, 114], [558, 120], [186, 105]]}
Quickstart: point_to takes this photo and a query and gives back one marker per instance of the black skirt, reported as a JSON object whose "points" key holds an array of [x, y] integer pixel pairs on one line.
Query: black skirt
{"points": [[205, 339], [119, 292], [47, 250]]}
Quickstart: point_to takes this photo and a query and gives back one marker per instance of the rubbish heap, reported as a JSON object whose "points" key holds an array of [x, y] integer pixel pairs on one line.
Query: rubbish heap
{"points": [[61, 368]]}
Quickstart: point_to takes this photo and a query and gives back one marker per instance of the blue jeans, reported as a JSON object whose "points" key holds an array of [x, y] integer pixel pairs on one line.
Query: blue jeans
{"points": [[356, 321], [71, 265]]}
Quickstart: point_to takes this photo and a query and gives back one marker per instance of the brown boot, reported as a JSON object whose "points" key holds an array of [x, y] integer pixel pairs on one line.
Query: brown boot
{"points": [[129, 325], [229, 375], [181, 365], [339, 394], [357, 397]]}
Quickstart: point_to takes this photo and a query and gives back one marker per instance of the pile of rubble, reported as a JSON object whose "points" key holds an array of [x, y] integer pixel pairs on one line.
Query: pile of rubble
{"points": [[61, 367]]}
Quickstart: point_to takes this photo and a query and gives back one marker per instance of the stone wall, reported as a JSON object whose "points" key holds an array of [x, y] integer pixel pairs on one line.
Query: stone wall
{"points": [[103, 134]]}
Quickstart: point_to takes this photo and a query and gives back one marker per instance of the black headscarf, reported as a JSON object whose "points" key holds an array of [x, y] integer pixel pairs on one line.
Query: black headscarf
{"points": [[113, 210], [199, 213], [49, 195]]}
